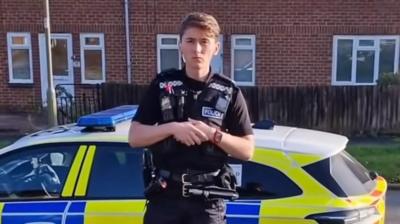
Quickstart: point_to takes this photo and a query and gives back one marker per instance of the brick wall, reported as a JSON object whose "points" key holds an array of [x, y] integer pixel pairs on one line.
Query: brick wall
{"points": [[293, 37], [66, 17]]}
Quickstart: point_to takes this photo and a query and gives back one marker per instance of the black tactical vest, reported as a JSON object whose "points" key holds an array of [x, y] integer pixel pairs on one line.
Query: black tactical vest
{"points": [[178, 103]]}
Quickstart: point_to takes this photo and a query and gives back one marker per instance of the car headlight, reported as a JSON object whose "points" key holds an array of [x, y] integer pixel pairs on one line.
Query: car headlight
{"points": [[344, 217]]}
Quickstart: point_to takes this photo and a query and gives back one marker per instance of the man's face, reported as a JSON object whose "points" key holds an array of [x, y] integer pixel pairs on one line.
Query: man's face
{"points": [[198, 48]]}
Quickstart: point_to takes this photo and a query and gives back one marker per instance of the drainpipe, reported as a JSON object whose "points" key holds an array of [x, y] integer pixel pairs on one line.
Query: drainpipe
{"points": [[128, 47]]}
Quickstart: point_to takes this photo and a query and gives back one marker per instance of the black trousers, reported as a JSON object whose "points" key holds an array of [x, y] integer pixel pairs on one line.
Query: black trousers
{"points": [[179, 210]]}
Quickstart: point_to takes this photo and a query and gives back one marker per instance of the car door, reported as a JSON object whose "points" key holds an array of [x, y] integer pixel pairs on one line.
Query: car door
{"points": [[33, 181], [259, 186], [110, 186]]}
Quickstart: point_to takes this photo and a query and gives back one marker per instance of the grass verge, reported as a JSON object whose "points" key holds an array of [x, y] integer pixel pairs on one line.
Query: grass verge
{"points": [[384, 159]]}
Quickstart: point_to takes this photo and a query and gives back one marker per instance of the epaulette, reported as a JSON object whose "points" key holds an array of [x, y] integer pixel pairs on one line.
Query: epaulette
{"points": [[224, 79]]}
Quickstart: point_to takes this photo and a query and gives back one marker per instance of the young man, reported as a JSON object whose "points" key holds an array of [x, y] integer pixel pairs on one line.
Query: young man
{"points": [[191, 121]]}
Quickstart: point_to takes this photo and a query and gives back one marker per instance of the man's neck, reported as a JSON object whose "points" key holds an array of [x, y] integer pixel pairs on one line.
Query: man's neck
{"points": [[198, 74]]}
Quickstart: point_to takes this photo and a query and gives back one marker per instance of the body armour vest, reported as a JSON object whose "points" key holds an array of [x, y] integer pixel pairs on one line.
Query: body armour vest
{"points": [[178, 103]]}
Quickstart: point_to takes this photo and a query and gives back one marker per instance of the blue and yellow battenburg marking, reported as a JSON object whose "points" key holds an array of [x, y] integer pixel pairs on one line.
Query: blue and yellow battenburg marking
{"points": [[27, 212], [243, 212], [43, 212], [76, 213], [239, 212]]}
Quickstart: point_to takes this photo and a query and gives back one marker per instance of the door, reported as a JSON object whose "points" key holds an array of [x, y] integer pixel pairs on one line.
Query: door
{"points": [[61, 49], [110, 186], [33, 181]]}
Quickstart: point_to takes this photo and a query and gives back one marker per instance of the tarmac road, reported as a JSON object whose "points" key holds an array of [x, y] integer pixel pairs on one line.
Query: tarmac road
{"points": [[393, 207]]}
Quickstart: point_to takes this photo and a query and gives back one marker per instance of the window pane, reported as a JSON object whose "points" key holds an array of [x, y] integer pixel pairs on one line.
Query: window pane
{"points": [[92, 41], [342, 175], [18, 40], [365, 66], [93, 65], [386, 57], [59, 57], [366, 43], [20, 64], [216, 64], [260, 182], [243, 65], [169, 59], [243, 41], [116, 173], [169, 41], [36, 172], [344, 59], [352, 177]]}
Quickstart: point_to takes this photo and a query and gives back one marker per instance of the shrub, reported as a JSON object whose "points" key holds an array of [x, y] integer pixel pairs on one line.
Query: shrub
{"points": [[387, 79]]}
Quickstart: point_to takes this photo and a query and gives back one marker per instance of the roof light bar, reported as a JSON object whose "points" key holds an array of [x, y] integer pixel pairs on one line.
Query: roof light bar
{"points": [[108, 118]]}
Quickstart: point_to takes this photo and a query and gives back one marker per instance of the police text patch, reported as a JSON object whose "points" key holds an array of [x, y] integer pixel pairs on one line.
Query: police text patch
{"points": [[212, 113]]}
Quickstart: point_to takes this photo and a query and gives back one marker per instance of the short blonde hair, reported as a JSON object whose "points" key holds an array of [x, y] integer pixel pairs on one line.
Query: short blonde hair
{"points": [[202, 21]]}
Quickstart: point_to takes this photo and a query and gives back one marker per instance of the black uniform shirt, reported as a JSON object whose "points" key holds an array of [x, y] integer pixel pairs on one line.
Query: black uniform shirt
{"points": [[236, 122]]}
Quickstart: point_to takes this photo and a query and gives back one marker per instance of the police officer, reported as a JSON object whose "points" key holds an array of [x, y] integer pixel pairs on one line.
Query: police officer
{"points": [[191, 120]]}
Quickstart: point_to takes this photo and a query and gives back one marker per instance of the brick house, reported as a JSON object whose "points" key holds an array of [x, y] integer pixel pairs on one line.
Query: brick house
{"points": [[272, 43]]}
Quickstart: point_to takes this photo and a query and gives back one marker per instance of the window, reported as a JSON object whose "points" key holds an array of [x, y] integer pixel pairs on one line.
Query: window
{"points": [[37, 172], [19, 57], [360, 60], [168, 54], [116, 173], [243, 59], [258, 181], [59, 55], [342, 175], [217, 61], [92, 58]]}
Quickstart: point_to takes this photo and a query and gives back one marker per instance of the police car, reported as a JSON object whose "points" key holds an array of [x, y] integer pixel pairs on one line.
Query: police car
{"points": [[86, 173]]}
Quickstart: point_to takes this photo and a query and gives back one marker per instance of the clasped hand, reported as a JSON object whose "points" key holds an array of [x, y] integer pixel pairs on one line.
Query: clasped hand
{"points": [[192, 132]]}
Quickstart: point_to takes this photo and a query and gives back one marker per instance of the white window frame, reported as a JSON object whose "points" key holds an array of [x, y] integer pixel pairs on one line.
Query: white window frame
{"points": [[356, 39], [26, 46], [92, 47], [242, 47], [161, 46]]}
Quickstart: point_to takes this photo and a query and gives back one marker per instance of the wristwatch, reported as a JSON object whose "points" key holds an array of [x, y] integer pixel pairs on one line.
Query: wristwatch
{"points": [[217, 136]]}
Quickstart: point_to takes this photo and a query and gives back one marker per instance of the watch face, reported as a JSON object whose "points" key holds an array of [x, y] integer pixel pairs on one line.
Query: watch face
{"points": [[217, 136]]}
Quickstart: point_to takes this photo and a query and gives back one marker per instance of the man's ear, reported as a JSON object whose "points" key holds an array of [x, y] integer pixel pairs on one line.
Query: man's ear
{"points": [[217, 48], [180, 51]]}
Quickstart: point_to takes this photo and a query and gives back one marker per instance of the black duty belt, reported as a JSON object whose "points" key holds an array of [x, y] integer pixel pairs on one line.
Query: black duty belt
{"points": [[202, 184], [191, 176]]}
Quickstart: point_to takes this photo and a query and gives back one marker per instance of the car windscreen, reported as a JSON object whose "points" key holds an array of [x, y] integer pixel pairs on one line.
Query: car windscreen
{"points": [[342, 174]]}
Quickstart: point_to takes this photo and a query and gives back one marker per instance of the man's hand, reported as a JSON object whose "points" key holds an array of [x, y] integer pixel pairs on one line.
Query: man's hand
{"points": [[240, 147], [189, 134], [205, 128]]}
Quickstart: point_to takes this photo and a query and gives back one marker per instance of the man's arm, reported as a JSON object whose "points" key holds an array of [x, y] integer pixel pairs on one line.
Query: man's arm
{"points": [[144, 130], [144, 135], [239, 147], [238, 140], [185, 132]]}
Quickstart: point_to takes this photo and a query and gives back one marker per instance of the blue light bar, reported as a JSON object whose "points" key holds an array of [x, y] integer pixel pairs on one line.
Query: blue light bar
{"points": [[108, 118]]}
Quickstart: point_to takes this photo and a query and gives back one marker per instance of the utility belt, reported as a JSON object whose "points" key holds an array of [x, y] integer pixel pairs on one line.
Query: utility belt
{"points": [[217, 184]]}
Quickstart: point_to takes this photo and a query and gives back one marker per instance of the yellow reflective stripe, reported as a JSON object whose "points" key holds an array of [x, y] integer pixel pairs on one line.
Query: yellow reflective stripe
{"points": [[1, 211], [114, 211], [304, 159], [73, 173], [85, 173]]}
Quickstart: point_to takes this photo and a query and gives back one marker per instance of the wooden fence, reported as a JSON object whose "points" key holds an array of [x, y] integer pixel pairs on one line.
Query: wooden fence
{"points": [[349, 110]]}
